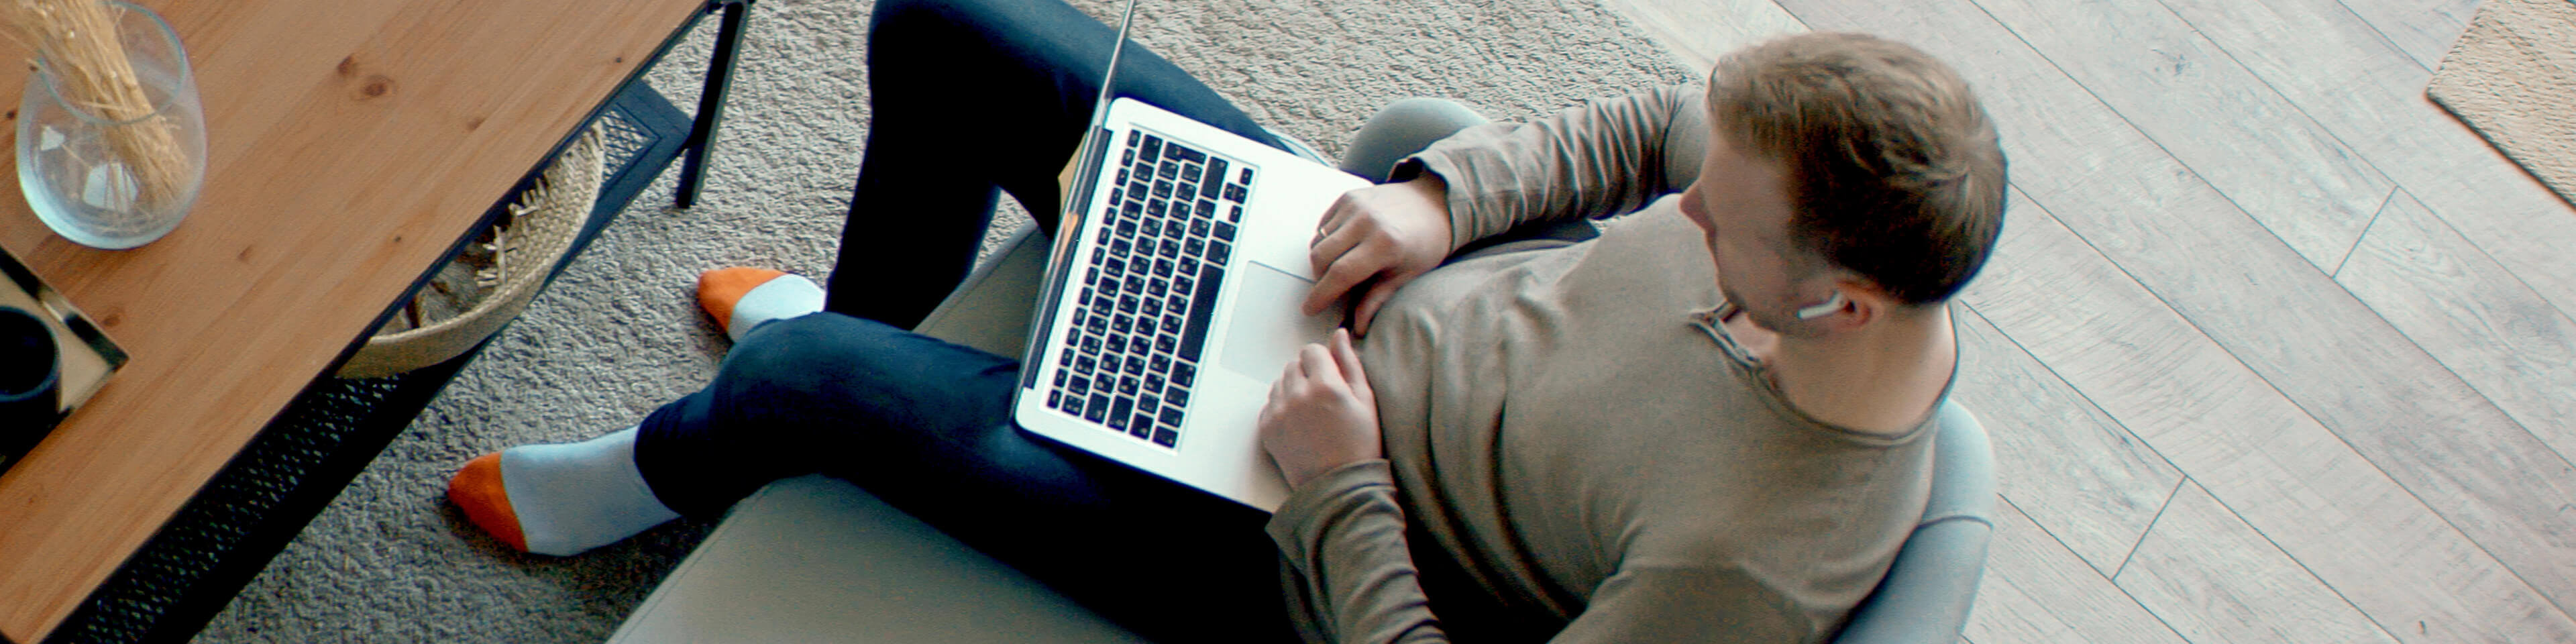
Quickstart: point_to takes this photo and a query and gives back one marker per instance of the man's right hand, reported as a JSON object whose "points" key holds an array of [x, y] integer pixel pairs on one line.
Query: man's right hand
{"points": [[1382, 236]]}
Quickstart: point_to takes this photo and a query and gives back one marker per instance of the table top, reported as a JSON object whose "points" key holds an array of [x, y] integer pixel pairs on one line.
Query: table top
{"points": [[349, 144]]}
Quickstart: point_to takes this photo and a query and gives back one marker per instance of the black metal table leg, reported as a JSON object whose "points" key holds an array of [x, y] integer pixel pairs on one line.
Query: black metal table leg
{"points": [[702, 137]]}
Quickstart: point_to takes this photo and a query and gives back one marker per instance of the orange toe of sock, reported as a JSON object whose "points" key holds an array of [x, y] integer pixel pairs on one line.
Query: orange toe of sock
{"points": [[719, 289], [477, 490]]}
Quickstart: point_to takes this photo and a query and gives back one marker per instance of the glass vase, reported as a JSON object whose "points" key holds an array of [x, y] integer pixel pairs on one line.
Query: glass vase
{"points": [[104, 175]]}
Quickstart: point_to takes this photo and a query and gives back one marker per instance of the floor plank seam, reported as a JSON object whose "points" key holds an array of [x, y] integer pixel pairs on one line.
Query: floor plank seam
{"points": [[2337, 275], [2070, 386], [2563, 458], [2111, 581], [2338, 592], [2151, 529], [2376, 31]]}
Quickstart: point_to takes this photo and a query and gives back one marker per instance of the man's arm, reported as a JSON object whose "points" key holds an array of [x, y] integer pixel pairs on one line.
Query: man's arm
{"points": [[1607, 157]]}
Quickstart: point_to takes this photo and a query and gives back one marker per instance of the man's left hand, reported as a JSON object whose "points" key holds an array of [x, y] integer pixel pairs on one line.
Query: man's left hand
{"points": [[1321, 413]]}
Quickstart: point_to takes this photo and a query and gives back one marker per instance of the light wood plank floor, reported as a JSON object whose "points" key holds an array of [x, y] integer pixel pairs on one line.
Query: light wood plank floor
{"points": [[2273, 350]]}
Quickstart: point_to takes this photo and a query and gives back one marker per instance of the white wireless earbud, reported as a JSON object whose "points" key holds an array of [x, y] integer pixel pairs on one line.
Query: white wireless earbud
{"points": [[1828, 307]]}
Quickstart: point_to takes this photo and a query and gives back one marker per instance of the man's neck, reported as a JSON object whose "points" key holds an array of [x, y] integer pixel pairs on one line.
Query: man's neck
{"points": [[1881, 380]]}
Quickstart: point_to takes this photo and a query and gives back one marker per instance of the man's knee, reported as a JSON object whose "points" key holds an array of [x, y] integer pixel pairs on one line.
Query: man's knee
{"points": [[804, 355]]}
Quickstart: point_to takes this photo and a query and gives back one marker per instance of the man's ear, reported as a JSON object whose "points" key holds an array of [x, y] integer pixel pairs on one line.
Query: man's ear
{"points": [[1863, 302]]}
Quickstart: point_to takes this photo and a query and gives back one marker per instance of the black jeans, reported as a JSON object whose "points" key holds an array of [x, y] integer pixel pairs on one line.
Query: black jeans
{"points": [[970, 97]]}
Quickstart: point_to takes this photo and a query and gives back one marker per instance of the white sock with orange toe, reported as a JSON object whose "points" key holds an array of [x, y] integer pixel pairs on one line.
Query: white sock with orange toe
{"points": [[741, 298], [559, 499]]}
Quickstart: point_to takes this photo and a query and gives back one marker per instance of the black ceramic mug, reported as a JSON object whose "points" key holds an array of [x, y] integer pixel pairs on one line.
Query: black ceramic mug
{"points": [[31, 372]]}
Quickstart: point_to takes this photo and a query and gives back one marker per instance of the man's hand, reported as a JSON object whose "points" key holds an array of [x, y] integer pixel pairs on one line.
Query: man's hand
{"points": [[1382, 235], [1321, 413]]}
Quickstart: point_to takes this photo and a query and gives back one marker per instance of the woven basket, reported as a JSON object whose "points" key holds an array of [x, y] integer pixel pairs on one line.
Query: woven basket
{"points": [[529, 242]]}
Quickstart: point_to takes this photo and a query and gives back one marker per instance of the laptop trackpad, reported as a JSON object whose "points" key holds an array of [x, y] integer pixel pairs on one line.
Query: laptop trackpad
{"points": [[1266, 326]]}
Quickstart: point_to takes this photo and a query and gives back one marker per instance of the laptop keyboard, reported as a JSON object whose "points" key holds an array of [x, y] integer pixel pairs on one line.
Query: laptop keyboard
{"points": [[1132, 353]]}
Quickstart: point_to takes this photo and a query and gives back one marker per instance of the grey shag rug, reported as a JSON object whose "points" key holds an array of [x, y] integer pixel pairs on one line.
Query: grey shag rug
{"points": [[618, 333]]}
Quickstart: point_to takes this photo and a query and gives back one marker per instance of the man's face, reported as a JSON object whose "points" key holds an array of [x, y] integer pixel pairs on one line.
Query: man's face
{"points": [[1742, 202]]}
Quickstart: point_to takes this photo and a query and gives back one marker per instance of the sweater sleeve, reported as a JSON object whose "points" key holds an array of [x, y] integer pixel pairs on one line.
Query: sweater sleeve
{"points": [[1607, 157], [1343, 536]]}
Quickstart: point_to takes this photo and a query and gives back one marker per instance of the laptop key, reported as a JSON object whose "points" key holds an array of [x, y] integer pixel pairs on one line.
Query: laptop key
{"points": [[1144, 423], [1078, 385], [1135, 366], [1178, 396], [1164, 436], [1153, 381], [1118, 247], [1055, 400], [1160, 364], [1158, 288], [1199, 228], [1172, 320], [1118, 421], [1162, 267], [1194, 334], [1184, 374], [1153, 307], [1142, 432], [1235, 193], [1185, 188], [1214, 177], [1128, 384], [1154, 145], [1218, 252], [1194, 246], [1164, 343], [1073, 405], [1065, 359], [1098, 409], [1147, 403], [1126, 304], [1225, 231], [1061, 375]]}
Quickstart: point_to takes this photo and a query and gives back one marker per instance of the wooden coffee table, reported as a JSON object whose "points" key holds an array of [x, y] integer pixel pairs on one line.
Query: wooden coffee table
{"points": [[351, 144]]}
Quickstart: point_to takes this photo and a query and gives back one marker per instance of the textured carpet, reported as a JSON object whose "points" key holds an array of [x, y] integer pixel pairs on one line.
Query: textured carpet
{"points": [[617, 334], [2512, 77]]}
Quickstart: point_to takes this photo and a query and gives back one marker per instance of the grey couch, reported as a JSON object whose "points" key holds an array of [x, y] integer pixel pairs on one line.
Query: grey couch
{"points": [[815, 559]]}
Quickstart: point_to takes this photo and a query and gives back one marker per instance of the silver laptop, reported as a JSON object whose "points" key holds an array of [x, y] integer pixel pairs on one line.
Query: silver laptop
{"points": [[1172, 295]]}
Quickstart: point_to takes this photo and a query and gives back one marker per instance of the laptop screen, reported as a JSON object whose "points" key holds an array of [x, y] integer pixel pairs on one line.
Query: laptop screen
{"points": [[1076, 203]]}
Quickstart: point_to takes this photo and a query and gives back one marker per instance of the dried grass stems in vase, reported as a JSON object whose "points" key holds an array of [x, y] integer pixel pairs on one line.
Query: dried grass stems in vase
{"points": [[77, 41]]}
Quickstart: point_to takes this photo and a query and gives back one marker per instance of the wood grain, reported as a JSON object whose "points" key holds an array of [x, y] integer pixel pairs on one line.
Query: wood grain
{"points": [[2472, 315], [2371, 96], [2038, 592], [2266, 458], [2070, 467], [2215, 580], [2278, 314], [349, 144], [2183, 93]]}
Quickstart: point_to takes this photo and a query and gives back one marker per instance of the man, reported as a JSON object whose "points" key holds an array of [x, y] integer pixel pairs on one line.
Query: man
{"points": [[1712, 422]]}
